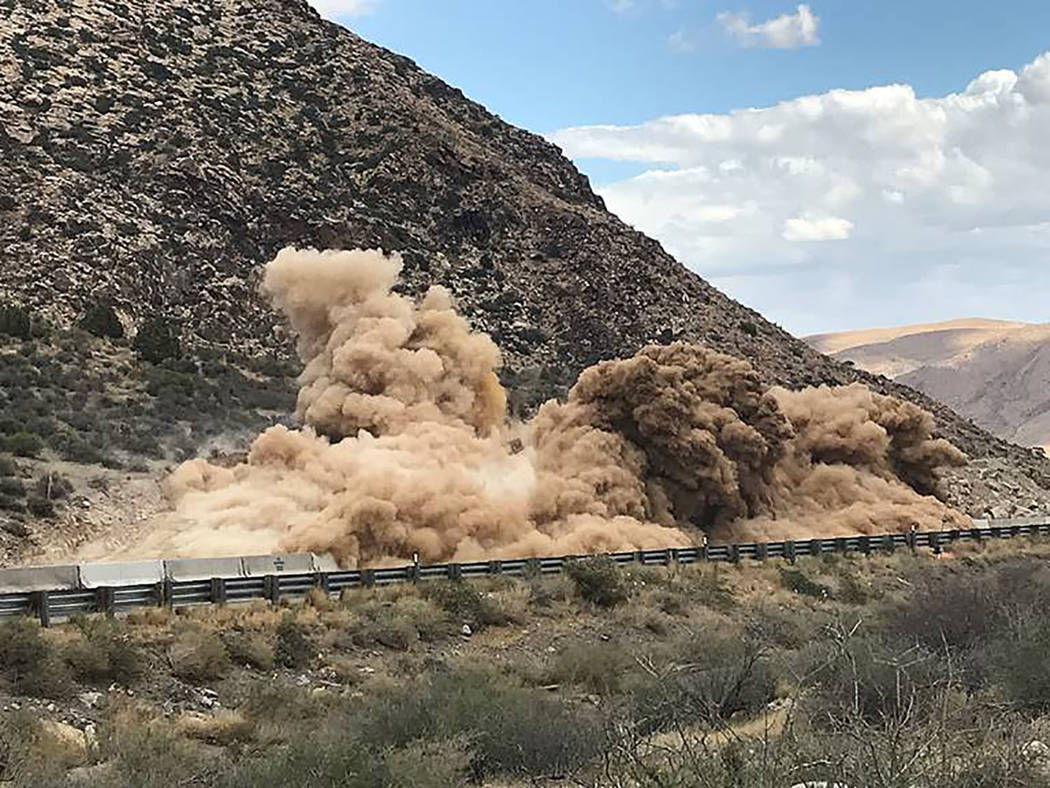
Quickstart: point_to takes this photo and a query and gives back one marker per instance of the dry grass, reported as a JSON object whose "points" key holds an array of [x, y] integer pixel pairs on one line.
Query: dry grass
{"points": [[681, 630], [222, 727], [198, 655], [154, 617]]}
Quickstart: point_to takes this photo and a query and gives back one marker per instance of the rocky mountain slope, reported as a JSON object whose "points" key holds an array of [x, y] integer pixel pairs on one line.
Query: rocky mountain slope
{"points": [[995, 372], [155, 154]]}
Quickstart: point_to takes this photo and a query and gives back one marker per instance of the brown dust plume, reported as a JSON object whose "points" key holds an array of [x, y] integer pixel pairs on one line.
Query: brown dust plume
{"points": [[406, 449]]}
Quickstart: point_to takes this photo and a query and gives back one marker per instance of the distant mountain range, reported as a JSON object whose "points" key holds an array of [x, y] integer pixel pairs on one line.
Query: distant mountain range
{"points": [[993, 371]]}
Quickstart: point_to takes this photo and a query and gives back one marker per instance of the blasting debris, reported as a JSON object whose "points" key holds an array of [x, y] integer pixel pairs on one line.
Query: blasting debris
{"points": [[406, 448]]}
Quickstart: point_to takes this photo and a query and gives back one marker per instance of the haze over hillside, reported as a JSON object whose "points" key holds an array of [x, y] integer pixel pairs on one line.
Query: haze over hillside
{"points": [[994, 371]]}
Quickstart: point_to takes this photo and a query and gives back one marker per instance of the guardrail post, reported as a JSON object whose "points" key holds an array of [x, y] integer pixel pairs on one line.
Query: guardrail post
{"points": [[935, 542], [865, 545], [789, 550], [762, 551], [455, 571], [705, 552], [272, 588], [672, 556], [639, 556], [42, 606], [840, 545], [734, 553], [321, 581], [911, 539], [104, 600], [368, 578], [817, 547], [218, 591], [495, 567]]}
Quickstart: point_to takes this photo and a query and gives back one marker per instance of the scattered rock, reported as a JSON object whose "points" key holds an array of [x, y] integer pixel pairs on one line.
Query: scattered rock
{"points": [[90, 699], [73, 744]]}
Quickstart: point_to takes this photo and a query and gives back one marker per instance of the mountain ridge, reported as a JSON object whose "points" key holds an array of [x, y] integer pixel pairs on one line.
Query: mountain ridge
{"points": [[157, 156], [996, 372]]}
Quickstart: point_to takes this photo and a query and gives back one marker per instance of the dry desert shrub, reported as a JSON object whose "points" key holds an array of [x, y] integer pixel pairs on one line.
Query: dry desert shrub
{"points": [[198, 655], [223, 727]]}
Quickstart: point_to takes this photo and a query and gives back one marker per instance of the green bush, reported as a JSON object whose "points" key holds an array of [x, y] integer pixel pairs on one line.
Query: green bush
{"points": [[599, 581], [430, 621], [1017, 661], [157, 341], [143, 751], [24, 444], [396, 632], [76, 449], [873, 679], [30, 662], [294, 648], [11, 504], [52, 486], [8, 467], [596, 667], [796, 580], [466, 604], [332, 756], [105, 651], [102, 321], [958, 610], [246, 649], [705, 680], [44, 426], [41, 507], [12, 487], [15, 321], [198, 655], [513, 731]]}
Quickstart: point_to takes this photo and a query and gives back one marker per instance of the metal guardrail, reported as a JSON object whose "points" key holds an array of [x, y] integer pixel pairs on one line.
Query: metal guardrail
{"points": [[48, 605]]}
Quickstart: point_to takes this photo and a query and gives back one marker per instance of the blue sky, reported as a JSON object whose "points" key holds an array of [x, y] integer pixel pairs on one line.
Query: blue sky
{"points": [[597, 77], [548, 64]]}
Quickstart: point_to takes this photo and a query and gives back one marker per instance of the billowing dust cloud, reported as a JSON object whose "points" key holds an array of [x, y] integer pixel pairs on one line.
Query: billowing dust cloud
{"points": [[406, 449]]}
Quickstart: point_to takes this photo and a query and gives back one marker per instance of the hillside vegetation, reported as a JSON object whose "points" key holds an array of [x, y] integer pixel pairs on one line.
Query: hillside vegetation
{"points": [[156, 154], [891, 670], [89, 423]]}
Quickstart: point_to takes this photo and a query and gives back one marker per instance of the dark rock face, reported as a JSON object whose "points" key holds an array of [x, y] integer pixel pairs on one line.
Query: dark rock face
{"points": [[154, 154]]}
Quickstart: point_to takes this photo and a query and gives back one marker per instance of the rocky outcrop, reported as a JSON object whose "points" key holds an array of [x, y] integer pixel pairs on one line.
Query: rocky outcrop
{"points": [[156, 153]]}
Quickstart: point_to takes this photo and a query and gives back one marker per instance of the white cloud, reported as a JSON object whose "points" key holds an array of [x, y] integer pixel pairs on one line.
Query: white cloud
{"points": [[788, 31], [681, 43], [897, 181], [814, 227], [335, 9]]}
